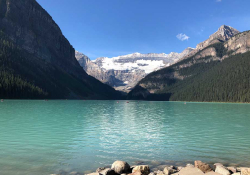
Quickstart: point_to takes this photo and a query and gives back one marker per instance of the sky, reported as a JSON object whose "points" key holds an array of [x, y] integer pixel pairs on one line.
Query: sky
{"points": [[109, 28]]}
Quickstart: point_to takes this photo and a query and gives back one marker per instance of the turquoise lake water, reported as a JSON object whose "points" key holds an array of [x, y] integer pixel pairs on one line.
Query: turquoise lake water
{"points": [[44, 137]]}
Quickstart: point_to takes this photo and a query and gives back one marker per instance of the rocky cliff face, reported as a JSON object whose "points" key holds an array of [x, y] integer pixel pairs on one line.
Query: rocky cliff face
{"points": [[190, 74], [31, 28], [124, 72], [238, 44], [221, 35], [28, 31]]}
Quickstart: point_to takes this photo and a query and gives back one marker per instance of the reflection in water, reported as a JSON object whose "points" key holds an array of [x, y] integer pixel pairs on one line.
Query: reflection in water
{"points": [[39, 137]]}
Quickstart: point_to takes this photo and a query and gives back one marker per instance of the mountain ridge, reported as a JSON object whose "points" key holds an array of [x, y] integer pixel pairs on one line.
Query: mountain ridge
{"points": [[34, 52], [123, 72], [207, 75]]}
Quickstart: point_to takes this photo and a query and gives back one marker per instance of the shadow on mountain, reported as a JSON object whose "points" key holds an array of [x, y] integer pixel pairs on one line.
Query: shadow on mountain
{"points": [[140, 93]]}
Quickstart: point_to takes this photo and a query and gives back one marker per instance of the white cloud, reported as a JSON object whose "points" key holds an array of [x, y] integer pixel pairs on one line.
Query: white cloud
{"points": [[182, 37]]}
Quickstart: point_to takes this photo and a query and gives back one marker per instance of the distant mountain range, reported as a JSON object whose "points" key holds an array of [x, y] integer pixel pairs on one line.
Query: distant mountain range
{"points": [[217, 70], [124, 72], [37, 61]]}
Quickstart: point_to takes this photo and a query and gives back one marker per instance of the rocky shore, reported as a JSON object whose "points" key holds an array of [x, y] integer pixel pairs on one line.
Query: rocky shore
{"points": [[198, 168]]}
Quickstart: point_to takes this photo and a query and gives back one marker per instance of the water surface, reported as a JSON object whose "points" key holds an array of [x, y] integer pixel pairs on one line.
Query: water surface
{"points": [[43, 137]]}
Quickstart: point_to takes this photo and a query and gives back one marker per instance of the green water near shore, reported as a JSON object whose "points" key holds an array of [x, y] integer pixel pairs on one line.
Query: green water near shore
{"points": [[43, 137]]}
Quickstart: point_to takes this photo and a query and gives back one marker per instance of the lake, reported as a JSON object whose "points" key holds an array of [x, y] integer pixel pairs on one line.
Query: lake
{"points": [[43, 137]]}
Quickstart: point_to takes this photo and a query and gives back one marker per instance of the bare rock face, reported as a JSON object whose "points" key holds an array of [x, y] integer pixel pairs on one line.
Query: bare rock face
{"points": [[239, 43], [223, 34], [120, 167], [202, 166], [45, 58], [226, 42], [30, 27]]}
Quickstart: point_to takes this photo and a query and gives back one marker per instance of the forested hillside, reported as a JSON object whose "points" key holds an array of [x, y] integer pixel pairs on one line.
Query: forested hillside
{"points": [[37, 61], [209, 78], [25, 76]]}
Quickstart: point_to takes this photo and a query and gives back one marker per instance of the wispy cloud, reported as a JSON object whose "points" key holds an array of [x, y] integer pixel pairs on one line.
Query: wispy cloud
{"points": [[182, 37], [218, 0]]}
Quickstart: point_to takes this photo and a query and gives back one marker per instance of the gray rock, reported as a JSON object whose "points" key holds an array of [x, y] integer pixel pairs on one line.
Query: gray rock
{"points": [[169, 170], [232, 169], [107, 171], [100, 169], [120, 167], [159, 173], [222, 170]]}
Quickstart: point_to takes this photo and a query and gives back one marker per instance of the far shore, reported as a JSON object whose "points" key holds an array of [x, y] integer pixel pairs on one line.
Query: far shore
{"points": [[2, 100]]}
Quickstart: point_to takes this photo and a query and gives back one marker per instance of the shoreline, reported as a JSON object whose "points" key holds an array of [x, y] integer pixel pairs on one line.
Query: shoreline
{"points": [[140, 168], [124, 101]]}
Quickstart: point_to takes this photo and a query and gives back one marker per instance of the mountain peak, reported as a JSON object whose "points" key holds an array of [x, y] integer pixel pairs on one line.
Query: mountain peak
{"points": [[222, 34]]}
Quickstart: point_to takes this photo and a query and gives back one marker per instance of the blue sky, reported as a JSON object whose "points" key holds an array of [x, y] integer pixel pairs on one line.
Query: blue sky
{"points": [[107, 28]]}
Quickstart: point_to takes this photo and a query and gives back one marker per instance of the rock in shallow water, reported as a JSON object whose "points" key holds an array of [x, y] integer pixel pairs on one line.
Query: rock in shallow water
{"points": [[120, 167], [169, 170], [202, 166], [143, 168]]}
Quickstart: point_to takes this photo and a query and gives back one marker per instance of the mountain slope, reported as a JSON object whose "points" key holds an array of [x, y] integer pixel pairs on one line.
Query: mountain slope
{"points": [[218, 72], [221, 35], [123, 72], [37, 61]]}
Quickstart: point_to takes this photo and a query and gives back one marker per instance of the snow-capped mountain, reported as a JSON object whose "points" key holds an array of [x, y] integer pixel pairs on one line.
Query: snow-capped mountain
{"points": [[124, 72]]}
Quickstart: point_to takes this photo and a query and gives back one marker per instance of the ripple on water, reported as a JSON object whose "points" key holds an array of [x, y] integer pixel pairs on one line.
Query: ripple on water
{"points": [[40, 137]]}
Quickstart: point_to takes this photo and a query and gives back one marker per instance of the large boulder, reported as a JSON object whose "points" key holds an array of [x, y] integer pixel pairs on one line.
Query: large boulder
{"points": [[120, 167], [138, 172], [159, 172], [107, 171], [232, 169], [190, 165], [222, 170], [189, 171], [143, 168], [169, 170], [212, 173], [245, 171], [202, 166]]}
